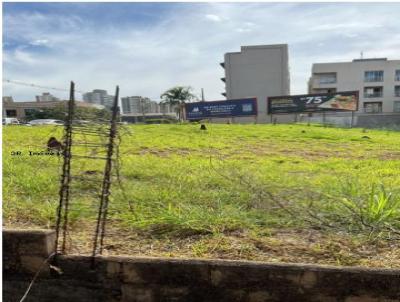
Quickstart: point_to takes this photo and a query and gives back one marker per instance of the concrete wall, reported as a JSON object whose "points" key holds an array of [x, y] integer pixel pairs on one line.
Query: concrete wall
{"points": [[131, 279], [350, 77], [257, 71]]}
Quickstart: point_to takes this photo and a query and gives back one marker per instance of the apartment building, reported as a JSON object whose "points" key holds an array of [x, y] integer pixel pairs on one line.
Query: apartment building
{"points": [[139, 105], [7, 99], [257, 71], [99, 97], [46, 97], [377, 80]]}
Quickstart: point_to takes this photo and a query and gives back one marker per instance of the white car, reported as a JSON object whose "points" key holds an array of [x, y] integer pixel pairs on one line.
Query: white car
{"points": [[46, 122], [11, 121]]}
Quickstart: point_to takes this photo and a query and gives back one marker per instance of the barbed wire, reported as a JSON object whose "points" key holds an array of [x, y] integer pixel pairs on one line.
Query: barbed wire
{"points": [[153, 98], [38, 86]]}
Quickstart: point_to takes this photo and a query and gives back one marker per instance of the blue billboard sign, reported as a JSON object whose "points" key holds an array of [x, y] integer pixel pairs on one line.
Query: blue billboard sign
{"points": [[228, 108]]}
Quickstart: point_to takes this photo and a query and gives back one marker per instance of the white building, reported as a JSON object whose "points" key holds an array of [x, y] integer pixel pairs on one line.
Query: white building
{"points": [[376, 80], [257, 71], [166, 108], [46, 97], [140, 105], [99, 97], [8, 99]]}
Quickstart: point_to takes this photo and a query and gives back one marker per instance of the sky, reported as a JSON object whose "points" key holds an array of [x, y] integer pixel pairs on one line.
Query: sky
{"points": [[147, 48]]}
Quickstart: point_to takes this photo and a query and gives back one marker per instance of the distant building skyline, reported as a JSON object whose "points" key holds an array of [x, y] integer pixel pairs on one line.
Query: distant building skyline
{"points": [[144, 105], [46, 97], [99, 97]]}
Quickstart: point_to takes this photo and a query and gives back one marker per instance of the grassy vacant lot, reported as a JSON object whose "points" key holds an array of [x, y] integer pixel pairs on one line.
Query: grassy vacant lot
{"points": [[292, 193]]}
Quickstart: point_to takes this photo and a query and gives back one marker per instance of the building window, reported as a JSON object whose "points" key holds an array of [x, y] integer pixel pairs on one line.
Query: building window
{"points": [[396, 90], [326, 78], [373, 92], [397, 75], [373, 107], [396, 106], [11, 113], [373, 76]]}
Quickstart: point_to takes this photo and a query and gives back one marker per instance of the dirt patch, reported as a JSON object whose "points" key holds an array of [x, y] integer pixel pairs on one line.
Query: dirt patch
{"points": [[389, 155], [291, 246], [166, 152]]}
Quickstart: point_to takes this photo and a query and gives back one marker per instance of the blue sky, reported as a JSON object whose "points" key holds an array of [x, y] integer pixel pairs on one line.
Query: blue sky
{"points": [[147, 48]]}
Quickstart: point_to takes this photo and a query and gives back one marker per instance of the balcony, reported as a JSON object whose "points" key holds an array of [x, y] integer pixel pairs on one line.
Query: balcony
{"points": [[324, 90], [373, 95], [327, 81], [324, 79], [373, 79], [223, 80], [222, 64], [373, 92]]}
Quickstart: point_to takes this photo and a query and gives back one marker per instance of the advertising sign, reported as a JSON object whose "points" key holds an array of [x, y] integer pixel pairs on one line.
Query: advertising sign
{"points": [[338, 101], [228, 108]]}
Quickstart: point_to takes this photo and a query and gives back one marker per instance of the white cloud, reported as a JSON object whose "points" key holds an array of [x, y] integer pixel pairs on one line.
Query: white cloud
{"points": [[39, 42], [22, 57], [214, 18], [347, 25], [243, 30]]}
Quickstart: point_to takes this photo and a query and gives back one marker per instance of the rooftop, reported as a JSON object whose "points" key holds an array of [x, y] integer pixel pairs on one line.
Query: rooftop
{"points": [[370, 59]]}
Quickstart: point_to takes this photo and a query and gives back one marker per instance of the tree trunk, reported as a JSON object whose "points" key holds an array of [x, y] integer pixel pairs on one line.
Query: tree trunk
{"points": [[182, 112]]}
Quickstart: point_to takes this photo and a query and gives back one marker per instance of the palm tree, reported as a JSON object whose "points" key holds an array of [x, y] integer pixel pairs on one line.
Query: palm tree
{"points": [[177, 97]]}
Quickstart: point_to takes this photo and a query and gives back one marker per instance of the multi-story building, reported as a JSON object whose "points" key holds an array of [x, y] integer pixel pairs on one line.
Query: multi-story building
{"points": [[100, 97], [46, 97], [166, 108], [257, 71], [135, 104], [136, 109], [154, 107], [377, 80], [130, 104], [7, 99], [142, 105]]}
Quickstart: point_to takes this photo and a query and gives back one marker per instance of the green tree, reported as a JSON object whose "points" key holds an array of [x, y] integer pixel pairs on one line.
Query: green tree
{"points": [[59, 112], [177, 97]]}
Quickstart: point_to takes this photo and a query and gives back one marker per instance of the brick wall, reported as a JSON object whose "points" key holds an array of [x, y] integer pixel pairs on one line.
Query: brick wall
{"points": [[122, 279]]}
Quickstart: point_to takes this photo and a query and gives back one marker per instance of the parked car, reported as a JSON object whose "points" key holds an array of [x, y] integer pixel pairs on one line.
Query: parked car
{"points": [[46, 122], [11, 121]]}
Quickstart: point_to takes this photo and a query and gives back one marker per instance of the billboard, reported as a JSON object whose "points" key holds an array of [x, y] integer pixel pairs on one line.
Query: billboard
{"points": [[228, 108], [338, 101]]}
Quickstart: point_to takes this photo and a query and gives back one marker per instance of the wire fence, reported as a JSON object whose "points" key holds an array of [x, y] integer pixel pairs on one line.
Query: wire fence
{"points": [[88, 170], [343, 119]]}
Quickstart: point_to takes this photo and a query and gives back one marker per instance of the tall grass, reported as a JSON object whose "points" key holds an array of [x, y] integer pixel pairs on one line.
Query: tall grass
{"points": [[177, 179]]}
